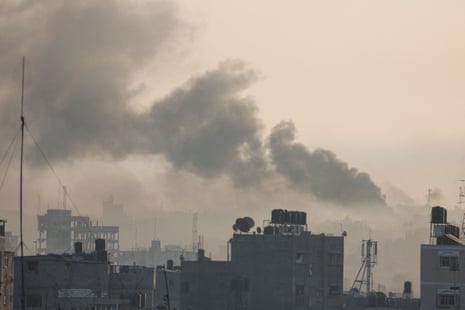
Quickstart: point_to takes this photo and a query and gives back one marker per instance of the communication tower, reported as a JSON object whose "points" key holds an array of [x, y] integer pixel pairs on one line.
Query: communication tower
{"points": [[364, 276], [195, 233]]}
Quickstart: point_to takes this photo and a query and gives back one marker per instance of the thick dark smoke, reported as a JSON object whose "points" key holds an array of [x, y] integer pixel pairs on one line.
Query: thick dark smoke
{"points": [[82, 57], [207, 128], [320, 171]]}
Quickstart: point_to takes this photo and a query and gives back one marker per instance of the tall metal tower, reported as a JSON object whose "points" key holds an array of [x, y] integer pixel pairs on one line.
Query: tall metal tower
{"points": [[195, 219], [364, 276]]}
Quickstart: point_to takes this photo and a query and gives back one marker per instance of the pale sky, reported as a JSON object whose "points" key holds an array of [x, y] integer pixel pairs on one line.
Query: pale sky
{"points": [[380, 83], [169, 105]]}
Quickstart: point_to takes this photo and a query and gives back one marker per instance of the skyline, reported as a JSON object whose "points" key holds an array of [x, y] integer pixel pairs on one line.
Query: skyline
{"points": [[147, 100]]}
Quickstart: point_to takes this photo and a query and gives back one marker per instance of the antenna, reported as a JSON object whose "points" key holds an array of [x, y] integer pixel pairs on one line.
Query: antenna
{"points": [[369, 260], [195, 233], [65, 194], [154, 228], [461, 202], [21, 189]]}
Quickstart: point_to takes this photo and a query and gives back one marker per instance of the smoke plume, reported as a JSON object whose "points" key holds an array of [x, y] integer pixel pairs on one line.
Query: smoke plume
{"points": [[83, 57], [319, 171]]}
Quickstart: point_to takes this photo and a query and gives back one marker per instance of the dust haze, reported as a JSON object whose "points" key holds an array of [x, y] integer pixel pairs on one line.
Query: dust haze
{"points": [[202, 147]]}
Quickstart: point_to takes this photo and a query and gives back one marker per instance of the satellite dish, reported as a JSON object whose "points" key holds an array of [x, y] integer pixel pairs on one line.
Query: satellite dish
{"points": [[244, 224], [250, 221], [259, 230], [344, 233]]}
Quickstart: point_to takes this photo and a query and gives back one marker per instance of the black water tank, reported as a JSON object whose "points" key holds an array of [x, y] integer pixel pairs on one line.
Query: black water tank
{"points": [[294, 217], [200, 255], [453, 230], [285, 218], [268, 230], [438, 215], [77, 247], [277, 216], [99, 245], [407, 287], [303, 218]]}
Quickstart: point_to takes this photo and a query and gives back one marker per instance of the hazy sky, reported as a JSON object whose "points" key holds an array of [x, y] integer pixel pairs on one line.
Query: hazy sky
{"points": [[341, 108]]}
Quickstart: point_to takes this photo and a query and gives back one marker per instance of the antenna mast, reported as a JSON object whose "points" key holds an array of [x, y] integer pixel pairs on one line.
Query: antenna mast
{"points": [[21, 190], [195, 232], [369, 260]]}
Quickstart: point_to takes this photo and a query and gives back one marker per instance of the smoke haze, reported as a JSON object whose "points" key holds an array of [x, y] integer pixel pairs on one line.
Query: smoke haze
{"points": [[202, 146]]}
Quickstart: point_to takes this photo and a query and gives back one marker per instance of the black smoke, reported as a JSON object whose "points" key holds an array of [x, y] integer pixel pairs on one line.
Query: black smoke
{"points": [[82, 57], [319, 172]]}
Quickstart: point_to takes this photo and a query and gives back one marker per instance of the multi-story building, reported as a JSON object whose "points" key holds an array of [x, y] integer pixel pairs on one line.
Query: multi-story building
{"points": [[168, 280], [286, 267], [82, 281], [442, 270], [6, 271], [59, 230]]}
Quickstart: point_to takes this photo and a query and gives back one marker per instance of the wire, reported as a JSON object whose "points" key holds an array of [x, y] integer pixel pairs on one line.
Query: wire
{"points": [[9, 161], [55, 174], [9, 146]]}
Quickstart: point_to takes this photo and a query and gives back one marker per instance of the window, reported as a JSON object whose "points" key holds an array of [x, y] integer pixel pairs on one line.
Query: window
{"points": [[299, 289], [334, 290], [445, 300], [33, 266], [299, 258], [448, 261], [34, 300], [335, 259]]}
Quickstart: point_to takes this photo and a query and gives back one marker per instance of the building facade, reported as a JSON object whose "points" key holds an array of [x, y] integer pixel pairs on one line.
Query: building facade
{"points": [[59, 230], [6, 271], [82, 281], [285, 267], [442, 274]]}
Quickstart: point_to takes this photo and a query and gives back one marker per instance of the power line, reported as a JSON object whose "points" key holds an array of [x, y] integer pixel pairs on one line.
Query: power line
{"points": [[15, 141], [9, 146], [55, 174]]}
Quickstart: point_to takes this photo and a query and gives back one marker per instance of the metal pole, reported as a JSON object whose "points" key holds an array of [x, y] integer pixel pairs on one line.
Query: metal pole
{"points": [[167, 289], [21, 191]]}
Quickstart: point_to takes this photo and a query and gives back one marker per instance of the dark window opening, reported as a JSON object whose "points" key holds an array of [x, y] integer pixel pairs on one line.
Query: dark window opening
{"points": [[299, 289], [335, 259], [448, 261], [33, 266], [446, 300], [34, 300]]}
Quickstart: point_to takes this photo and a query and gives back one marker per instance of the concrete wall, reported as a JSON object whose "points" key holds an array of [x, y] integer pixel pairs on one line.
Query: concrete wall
{"points": [[289, 271], [53, 281], [6, 280], [439, 280]]}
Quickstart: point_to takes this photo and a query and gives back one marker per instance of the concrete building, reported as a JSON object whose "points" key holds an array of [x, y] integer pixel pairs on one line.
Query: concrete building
{"points": [[286, 267], [155, 255], [207, 284], [6, 271], [83, 281], [133, 283], [442, 272], [168, 282], [442, 277], [290, 271], [59, 230]]}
